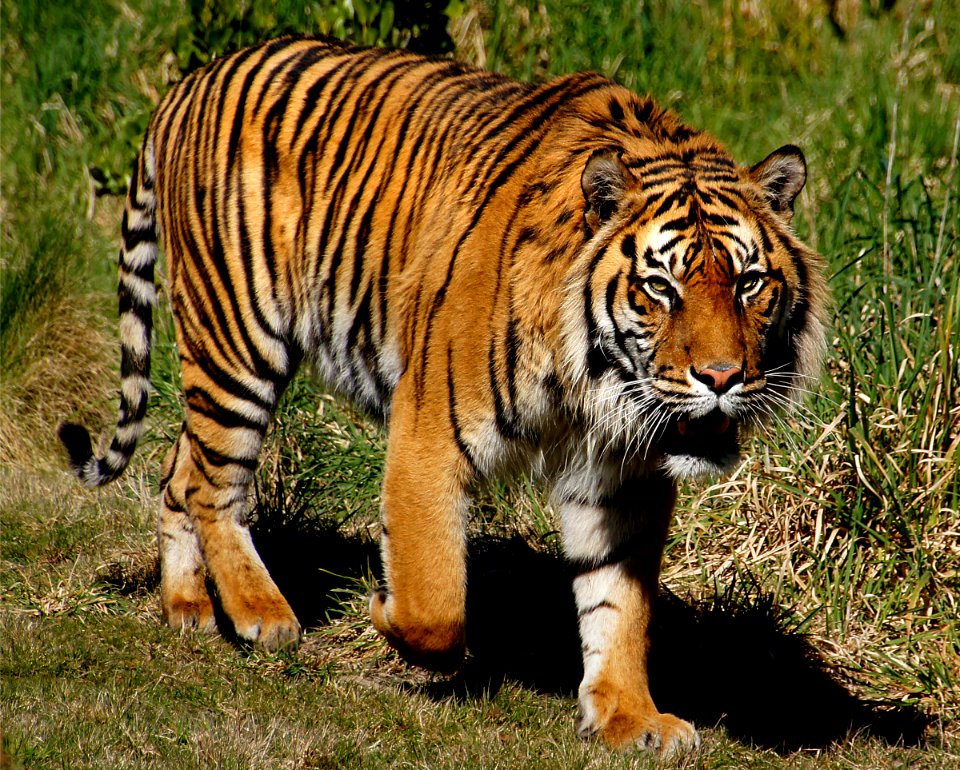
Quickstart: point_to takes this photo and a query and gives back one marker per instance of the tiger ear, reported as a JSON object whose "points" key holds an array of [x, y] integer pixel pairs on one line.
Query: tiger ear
{"points": [[781, 176], [603, 182]]}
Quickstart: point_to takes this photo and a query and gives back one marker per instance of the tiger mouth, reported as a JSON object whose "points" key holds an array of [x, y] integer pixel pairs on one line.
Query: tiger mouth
{"points": [[713, 436]]}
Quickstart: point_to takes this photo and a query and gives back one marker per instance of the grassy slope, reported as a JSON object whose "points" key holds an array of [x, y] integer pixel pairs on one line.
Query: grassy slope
{"points": [[844, 530]]}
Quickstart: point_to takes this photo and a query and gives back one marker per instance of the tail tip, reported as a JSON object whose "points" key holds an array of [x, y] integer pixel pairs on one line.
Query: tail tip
{"points": [[79, 448]]}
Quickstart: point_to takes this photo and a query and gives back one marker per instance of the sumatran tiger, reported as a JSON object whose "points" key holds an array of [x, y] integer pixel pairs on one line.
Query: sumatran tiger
{"points": [[562, 278]]}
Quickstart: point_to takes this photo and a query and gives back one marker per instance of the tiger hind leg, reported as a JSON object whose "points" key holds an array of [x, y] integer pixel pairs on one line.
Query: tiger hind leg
{"points": [[216, 465], [184, 599]]}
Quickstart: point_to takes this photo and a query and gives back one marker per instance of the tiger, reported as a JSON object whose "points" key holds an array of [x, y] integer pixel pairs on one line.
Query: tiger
{"points": [[560, 278]]}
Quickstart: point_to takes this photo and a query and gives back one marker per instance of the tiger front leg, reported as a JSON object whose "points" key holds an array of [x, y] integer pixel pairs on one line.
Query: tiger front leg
{"points": [[421, 612], [615, 545]]}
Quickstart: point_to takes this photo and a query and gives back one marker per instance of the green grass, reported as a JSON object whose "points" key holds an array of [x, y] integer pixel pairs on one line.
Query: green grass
{"points": [[815, 591]]}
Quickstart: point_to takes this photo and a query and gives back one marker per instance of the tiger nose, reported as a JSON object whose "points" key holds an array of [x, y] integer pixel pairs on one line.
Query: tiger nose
{"points": [[718, 377]]}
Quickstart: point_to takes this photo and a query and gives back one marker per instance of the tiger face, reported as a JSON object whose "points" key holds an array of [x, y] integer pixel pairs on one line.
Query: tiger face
{"points": [[698, 310]]}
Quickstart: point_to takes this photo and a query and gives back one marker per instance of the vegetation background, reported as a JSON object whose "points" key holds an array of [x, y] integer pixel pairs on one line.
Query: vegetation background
{"points": [[809, 615]]}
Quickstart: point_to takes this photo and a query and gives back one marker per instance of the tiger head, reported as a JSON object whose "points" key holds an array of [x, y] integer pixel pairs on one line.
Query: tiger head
{"points": [[700, 312]]}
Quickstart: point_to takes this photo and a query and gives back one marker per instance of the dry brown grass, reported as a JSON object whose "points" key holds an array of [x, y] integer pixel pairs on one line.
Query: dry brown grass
{"points": [[66, 374]]}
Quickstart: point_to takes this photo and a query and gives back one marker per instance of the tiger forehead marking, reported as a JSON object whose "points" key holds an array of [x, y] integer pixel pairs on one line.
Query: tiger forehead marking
{"points": [[560, 277], [692, 257], [693, 211]]}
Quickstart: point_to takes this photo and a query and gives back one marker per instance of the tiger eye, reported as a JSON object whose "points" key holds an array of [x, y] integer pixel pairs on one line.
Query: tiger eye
{"points": [[659, 285], [749, 282]]}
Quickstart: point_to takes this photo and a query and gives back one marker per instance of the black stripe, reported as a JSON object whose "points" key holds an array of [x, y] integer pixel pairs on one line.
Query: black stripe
{"points": [[693, 262], [208, 328], [621, 552], [171, 107], [512, 355], [683, 221], [413, 107], [220, 377], [616, 110], [504, 411], [352, 61], [440, 130], [370, 103], [772, 304], [674, 198], [597, 361], [343, 91], [133, 237], [619, 338], [655, 167], [727, 200], [644, 110], [204, 200], [205, 296], [293, 64], [193, 256], [737, 240], [604, 605], [454, 418], [358, 342], [259, 364], [799, 265], [272, 125], [235, 163], [215, 458], [239, 114], [203, 402], [664, 249], [765, 236], [175, 506], [718, 220], [536, 108], [124, 448], [133, 413], [310, 103]]}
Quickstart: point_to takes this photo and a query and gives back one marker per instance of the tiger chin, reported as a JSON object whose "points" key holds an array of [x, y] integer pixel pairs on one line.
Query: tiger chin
{"points": [[558, 277]]}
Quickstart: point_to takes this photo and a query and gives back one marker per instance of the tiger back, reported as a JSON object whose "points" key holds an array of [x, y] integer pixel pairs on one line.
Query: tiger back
{"points": [[560, 278]]}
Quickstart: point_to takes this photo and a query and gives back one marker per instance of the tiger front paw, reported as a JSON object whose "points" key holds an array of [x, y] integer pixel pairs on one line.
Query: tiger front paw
{"points": [[431, 643], [622, 722]]}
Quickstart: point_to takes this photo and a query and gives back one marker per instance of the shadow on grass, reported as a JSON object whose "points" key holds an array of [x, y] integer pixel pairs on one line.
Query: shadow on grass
{"points": [[729, 662]]}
